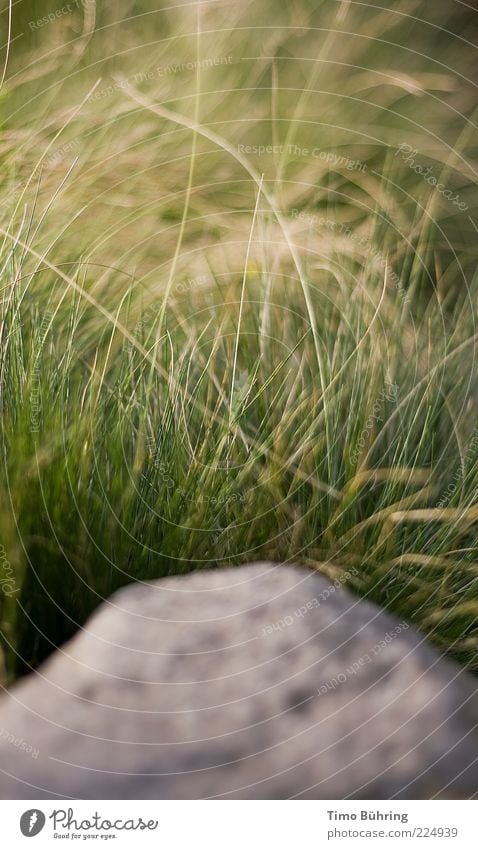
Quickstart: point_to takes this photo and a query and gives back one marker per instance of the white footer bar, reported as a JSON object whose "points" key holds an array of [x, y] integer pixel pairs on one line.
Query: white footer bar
{"points": [[240, 824]]}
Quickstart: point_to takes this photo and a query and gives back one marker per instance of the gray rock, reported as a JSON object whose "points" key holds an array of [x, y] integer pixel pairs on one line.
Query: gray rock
{"points": [[263, 681]]}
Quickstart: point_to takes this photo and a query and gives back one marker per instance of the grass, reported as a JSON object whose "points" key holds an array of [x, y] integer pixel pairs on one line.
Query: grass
{"points": [[212, 354]]}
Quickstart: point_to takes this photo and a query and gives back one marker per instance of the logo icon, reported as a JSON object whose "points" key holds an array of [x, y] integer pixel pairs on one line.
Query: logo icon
{"points": [[32, 822]]}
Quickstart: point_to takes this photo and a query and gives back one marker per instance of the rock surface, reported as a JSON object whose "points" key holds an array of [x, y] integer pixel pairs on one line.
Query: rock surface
{"points": [[263, 681]]}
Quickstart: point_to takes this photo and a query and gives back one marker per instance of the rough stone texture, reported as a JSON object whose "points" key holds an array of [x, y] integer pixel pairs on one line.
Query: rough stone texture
{"points": [[207, 685]]}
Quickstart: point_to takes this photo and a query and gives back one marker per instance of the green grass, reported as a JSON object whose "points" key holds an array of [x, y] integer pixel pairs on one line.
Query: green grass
{"points": [[210, 356]]}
